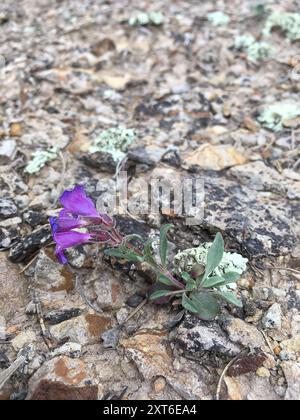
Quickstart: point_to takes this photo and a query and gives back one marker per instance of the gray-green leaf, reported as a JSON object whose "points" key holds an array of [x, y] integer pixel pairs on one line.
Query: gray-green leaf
{"points": [[188, 304], [124, 254], [206, 304], [165, 280], [164, 243], [214, 255], [230, 298], [219, 281], [159, 294]]}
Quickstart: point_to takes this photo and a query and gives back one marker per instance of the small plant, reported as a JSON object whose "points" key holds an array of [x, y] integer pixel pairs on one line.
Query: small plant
{"points": [[200, 290]]}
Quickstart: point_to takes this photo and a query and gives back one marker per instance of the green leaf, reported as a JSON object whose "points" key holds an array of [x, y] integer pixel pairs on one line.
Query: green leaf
{"points": [[217, 281], [214, 255], [159, 294], [231, 277], [124, 254], [230, 298], [164, 243], [186, 277], [188, 304], [191, 285], [206, 304], [148, 251], [165, 280], [214, 281]]}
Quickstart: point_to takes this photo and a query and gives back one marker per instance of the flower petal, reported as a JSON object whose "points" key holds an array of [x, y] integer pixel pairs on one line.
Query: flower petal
{"points": [[76, 202], [60, 255], [68, 239], [67, 221]]}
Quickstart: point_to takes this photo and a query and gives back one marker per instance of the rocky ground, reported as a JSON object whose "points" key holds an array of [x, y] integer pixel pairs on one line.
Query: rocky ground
{"points": [[69, 70]]}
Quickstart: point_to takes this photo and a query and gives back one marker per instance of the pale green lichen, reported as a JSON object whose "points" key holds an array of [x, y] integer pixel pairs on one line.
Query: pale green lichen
{"points": [[218, 18], [114, 141], [287, 22], [40, 159], [273, 116], [256, 51], [145, 18], [231, 262]]}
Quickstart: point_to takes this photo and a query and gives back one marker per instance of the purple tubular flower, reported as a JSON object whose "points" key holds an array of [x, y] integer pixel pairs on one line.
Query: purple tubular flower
{"points": [[80, 212], [66, 239], [77, 203]]}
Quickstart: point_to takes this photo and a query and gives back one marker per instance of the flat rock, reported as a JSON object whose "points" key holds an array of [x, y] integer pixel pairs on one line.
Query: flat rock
{"points": [[25, 247], [196, 336], [150, 352], [243, 334], [273, 317], [8, 208], [214, 158], [84, 329], [62, 378], [261, 225], [292, 374], [51, 276]]}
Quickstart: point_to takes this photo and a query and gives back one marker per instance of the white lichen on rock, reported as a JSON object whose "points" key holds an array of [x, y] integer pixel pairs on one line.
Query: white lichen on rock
{"points": [[231, 262], [145, 18], [218, 18], [287, 22], [256, 50], [114, 141], [274, 116], [40, 159]]}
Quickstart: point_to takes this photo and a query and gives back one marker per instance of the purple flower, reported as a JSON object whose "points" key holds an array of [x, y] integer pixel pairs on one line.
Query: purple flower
{"points": [[66, 239], [77, 203], [80, 212]]}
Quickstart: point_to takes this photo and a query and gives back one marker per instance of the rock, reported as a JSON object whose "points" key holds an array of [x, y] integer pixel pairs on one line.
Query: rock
{"points": [[62, 378], [111, 338], [272, 318], [11, 223], [104, 288], [159, 385], [7, 151], [247, 364], [214, 158], [196, 336], [260, 226], [50, 275], [8, 208], [292, 345], [26, 246], [260, 177], [13, 295], [256, 224], [135, 300], [23, 339], [263, 372], [150, 352], [250, 388], [101, 161], [35, 218], [68, 349], [85, 329], [149, 156], [243, 334], [292, 374], [58, 316]]}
